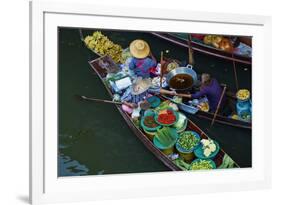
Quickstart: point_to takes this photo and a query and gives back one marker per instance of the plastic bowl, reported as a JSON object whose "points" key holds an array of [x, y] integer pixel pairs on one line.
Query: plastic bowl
{"points": [[211, 161], [149, 129], [199, 152], [187, 155], [181, 149], [175, 113], [154, 101], [166, 149], [183, 127]]}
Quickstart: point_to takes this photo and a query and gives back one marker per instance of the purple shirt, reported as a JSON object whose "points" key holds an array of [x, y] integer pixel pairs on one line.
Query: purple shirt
{"points": [[213, 92], [142, 67]]}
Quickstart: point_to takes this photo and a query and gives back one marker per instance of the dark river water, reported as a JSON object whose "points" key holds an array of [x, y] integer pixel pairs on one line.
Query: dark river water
{"points": [[95, 139]]}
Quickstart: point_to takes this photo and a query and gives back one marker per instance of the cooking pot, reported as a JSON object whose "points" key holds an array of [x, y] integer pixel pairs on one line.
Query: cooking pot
{"points": [[181, 78]]}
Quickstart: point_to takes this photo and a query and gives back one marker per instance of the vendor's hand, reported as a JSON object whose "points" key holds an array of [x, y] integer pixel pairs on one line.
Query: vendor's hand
{"points": [[173, 92], [167, 92], [131, 105]]}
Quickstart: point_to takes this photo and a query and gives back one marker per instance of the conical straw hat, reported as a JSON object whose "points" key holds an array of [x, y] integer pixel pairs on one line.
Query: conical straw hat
{"points": [[139, 48]]}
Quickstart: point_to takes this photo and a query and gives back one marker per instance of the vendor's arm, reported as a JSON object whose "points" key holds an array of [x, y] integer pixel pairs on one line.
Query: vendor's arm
{"points": [[198, 94]]}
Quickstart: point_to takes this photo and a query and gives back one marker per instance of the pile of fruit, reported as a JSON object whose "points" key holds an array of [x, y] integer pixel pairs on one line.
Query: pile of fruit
{"points": [[204, 106], [100, 44], [243, 94], [166, 117], [219, 42]]}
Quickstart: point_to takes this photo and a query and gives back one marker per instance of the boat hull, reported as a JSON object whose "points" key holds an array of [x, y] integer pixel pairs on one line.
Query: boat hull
{"points": [[203, 48]]}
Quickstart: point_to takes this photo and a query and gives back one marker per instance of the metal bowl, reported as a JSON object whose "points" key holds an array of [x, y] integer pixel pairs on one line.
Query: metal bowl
{"points": [[182, 70]]}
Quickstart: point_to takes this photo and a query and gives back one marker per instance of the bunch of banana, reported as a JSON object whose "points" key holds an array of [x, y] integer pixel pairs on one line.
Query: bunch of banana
{"points": [[100, 43]]}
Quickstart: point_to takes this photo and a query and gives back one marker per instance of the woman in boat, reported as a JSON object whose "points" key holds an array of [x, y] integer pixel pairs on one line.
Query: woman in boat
{"points": [[137, 94], [143, 62], [211, 89]]}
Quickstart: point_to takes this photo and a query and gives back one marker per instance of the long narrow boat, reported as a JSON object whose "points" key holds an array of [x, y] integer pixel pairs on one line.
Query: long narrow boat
{"points": [[203, 48], [209, 115], [204, 115], [219, 118], [102, 72]]}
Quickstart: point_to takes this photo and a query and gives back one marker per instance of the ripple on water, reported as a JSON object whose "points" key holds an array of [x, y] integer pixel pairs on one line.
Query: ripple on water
{"points": [[70, 167]]}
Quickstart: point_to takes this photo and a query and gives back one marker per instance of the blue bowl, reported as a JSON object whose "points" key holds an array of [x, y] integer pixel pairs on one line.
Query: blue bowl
{"points": [[199, 152], [181, 149], [154, 101], [211, 161]]}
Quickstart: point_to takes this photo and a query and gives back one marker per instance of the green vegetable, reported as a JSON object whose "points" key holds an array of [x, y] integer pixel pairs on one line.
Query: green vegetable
{"points": [[201, 164], [188, 140], [182, 164], [165, 136], [181, 121], [227, 162], [163, 105], [177, 99]]}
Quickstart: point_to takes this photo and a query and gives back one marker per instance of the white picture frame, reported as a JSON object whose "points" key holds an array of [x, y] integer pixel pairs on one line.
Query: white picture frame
{"points": [[46, 187]]}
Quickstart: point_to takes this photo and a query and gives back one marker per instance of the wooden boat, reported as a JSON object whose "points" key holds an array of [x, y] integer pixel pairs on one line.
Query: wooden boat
{"points": [[224, 120], [102, 72], [210, 115], [204, 115], [206, 49]]}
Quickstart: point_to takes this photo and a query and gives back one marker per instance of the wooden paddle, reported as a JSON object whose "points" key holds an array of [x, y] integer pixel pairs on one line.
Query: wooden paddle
{"points": [[218, 107], [82, 97], [235, 73], [161, 69]]}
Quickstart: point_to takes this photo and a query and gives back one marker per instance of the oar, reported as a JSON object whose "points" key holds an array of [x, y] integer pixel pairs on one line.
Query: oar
{"points": [[81, 35], [82, 97], [161, 69], [235, 73], [218, 107]]}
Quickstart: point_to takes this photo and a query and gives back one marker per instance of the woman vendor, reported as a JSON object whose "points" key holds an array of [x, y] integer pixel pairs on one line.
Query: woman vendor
{"points": [[211, 89], [143, 62], [137, 94]]}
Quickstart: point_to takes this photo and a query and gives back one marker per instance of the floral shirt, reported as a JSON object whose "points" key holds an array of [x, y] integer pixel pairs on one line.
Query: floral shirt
{"points": [[143, 67]]}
